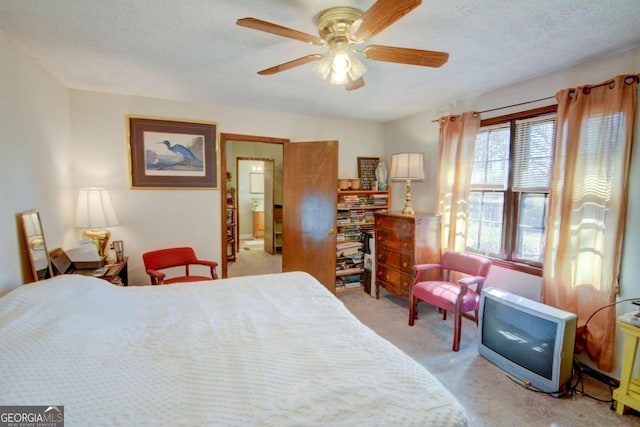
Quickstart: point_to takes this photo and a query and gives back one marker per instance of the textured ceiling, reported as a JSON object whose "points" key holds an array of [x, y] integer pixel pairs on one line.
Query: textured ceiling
{"points": [[193, 51]]}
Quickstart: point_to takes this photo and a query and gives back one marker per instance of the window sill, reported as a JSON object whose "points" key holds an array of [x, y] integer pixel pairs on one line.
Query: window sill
{"points": [[523, 268]]}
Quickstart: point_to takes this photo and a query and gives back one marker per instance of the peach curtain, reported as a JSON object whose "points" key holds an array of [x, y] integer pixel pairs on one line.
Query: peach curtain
{"points": [[457, 145], [587, 206]]}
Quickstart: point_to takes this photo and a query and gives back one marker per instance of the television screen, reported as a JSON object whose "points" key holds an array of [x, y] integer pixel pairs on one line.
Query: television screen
{"points": [[520, 337]]}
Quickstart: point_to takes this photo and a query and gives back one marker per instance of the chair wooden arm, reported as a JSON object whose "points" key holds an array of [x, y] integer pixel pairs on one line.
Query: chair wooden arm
{"points": [[472, 280], [464, 285], [419, 268], [157, 278], [422, 267], [211, 264], [207, 263]]}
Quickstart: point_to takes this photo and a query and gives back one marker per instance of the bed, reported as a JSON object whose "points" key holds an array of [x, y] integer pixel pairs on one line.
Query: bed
{"points": [[270, 350]]}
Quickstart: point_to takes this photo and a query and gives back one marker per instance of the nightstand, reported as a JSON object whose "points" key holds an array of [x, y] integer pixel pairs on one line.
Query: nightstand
{"points": [[628, 394], [117, 273]]}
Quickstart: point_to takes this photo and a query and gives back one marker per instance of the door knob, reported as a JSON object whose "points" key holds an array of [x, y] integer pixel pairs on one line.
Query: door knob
{"points": [[331, 231]]}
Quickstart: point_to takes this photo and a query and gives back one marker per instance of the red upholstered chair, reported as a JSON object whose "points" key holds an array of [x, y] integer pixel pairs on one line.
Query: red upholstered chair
{"points": [[458, 297], [175, 257]]}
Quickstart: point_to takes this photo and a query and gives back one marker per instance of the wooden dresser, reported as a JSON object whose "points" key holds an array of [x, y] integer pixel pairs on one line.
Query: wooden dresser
{"points": [[401, 242]]}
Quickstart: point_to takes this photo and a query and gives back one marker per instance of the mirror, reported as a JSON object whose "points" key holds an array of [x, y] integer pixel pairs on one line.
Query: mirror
{"points": [[256, 183], [35, 246]]}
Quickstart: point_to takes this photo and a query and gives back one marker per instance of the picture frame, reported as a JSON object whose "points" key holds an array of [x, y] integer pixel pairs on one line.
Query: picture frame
{"points": [[256, 182], [367, 172], [167, 153]]}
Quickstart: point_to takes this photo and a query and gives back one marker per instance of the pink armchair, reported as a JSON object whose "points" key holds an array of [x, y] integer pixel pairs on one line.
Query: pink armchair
{"points": [[458, 297], [175, 257]]}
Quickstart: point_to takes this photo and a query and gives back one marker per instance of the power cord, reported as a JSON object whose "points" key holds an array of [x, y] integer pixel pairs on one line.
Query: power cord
{"points": [[577, 387], [579, 369], [602, 308]]}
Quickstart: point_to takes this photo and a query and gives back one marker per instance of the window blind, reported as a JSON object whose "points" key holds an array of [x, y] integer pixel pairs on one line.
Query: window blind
{"points": [[533, 153], [491, 158]]}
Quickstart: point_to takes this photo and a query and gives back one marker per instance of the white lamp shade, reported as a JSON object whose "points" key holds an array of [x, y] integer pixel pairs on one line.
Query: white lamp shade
{"points": [[407, 166], [95, 209]]}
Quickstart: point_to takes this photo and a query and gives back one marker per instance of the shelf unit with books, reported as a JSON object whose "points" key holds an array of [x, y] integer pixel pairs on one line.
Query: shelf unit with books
{"points": [[232, 224], [355, 219]]}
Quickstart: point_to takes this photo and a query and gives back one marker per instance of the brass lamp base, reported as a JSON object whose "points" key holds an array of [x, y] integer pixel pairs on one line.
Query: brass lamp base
{"points": [[408, 209], [100, 237]]}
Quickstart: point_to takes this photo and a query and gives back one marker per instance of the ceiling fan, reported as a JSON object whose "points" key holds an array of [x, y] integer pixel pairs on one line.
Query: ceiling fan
{"points": [[340, 28]]}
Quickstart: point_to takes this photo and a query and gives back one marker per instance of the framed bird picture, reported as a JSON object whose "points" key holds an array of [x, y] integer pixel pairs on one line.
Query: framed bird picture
{"points": [[167, 153]]}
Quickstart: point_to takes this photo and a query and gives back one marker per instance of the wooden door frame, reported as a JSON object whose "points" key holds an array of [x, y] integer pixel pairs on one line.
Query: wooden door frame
{"points": [[224, 138]]}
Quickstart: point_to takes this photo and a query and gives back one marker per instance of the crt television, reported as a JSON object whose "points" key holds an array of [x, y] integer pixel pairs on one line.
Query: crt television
{"points": [[530, 341]]}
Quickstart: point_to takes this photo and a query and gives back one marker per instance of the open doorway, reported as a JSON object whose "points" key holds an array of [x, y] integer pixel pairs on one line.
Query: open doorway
{"points": [[254, 170], [251, 188]]}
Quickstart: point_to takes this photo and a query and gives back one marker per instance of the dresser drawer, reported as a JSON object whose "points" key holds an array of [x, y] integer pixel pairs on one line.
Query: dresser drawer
{"points": [[402, 227], [389, 258], [388, 239], [394, 281], [407, 244], [398, 260]]}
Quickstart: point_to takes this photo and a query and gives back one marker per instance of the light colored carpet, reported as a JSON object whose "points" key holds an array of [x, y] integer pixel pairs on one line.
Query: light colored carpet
{"points": [[254, 260], [491, 398], [253, 243]]}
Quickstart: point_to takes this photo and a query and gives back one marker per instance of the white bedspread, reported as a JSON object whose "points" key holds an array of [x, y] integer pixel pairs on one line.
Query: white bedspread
{"points": [[273, 350]]}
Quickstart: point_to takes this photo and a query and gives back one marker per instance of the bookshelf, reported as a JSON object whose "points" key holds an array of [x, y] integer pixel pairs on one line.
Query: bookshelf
{"points": [[232, 224], [355, 218], [277, 228]]}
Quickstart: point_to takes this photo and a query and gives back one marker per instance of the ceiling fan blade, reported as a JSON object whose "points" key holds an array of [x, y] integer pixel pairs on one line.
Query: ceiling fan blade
{"points": [[379, 16], [354, 84], [402, 55], [268, 27], [291, 64]]}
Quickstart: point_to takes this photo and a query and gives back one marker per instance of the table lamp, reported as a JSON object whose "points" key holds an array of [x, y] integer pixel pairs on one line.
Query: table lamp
{"points": [[407, 166], [95, 212]]}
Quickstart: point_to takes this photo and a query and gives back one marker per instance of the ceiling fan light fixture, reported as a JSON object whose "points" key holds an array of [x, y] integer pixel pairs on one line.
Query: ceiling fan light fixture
{"points": [[339, 62], [357, 68], [338, 78], [323, 66]]}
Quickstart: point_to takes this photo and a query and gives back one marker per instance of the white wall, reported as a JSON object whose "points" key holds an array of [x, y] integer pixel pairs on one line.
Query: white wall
{"points": [[419, 133], [151, 219], [36, 153]]}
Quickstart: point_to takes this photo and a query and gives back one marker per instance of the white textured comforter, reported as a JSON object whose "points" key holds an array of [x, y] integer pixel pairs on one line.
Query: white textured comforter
{"points": [[271, 350]]}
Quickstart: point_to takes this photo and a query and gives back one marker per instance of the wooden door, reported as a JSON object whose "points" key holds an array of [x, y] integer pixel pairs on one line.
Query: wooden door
{"points": [[309, 209], [269, 170]]}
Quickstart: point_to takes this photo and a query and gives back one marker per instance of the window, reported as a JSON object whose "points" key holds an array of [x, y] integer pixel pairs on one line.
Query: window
{"points": [[510, 187]]}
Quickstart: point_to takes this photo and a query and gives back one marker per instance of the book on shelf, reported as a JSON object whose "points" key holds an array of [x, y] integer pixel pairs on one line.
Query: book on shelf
{"points": [[349, 261], [346, 245], [348, 271], [353, 277], [348, 252]]}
